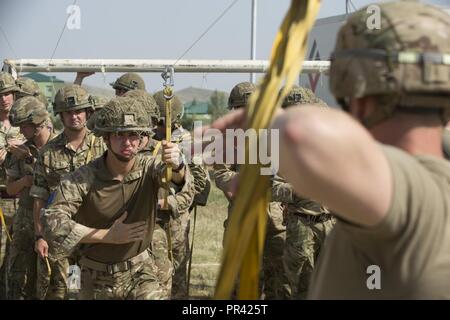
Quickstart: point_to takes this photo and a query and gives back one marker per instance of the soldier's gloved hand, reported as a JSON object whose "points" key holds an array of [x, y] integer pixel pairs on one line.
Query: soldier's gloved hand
{"points": [[171, 154], [41, 248], [120, 232]]}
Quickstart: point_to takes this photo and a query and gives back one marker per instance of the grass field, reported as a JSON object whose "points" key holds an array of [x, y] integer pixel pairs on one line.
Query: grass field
{"points": [[207, 244]]}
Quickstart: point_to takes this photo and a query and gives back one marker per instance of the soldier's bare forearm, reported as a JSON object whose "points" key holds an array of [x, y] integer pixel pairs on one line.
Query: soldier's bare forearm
{"points": [[37, 207], [95, 236], [14, 187], [119, 232]]}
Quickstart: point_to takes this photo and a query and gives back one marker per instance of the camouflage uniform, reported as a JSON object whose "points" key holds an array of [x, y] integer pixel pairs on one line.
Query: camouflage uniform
{"points": [[160, 241], [22, 257], [307, 223], [9, 204], [129, 269], [56, 159], [274, 283], [179, 222]]}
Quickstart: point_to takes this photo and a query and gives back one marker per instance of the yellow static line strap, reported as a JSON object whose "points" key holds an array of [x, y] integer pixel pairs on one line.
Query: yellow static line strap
{"points": [[2, 218], [244, 238], [49, 270]]}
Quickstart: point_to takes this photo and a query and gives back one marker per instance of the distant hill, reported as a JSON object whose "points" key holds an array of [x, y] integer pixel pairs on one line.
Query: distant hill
{"points": [[99, 91], [201, 95]]}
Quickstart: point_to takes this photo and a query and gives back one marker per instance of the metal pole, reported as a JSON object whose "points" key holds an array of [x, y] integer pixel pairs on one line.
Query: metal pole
{"points": [[253, 38], [150, 65]]}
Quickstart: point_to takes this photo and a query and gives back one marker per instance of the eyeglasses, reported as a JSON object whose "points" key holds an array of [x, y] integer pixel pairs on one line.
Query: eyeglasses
{"points": [[131, 136]]}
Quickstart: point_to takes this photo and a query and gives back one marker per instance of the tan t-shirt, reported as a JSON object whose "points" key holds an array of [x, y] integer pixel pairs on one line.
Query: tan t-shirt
{"points": [[411, 246]]}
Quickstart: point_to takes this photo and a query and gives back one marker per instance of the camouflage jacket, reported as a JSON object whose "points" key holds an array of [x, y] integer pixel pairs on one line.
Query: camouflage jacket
{"points": [[92, 197], [18, 168], [223, 174], [58, 158], [5, 135], [284, 193]]}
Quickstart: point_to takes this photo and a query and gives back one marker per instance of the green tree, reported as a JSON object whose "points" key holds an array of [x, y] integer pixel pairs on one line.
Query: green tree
{"points": [[217, 105]]}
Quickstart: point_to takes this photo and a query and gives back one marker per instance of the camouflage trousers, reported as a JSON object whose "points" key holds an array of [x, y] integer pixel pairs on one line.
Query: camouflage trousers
{"points": [[179, 233], [160, 250], [9, 207], [304, 238], [138, 283], [22, 258], [274, 283], [52, 285]]}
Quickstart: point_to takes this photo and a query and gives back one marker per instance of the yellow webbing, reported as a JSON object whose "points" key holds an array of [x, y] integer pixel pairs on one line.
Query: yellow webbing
{"points": [[244, 240], [2, 219]]}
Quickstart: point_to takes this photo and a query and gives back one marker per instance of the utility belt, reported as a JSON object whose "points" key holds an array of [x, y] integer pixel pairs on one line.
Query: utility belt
{"points": [[314, 218], [115, 267]]}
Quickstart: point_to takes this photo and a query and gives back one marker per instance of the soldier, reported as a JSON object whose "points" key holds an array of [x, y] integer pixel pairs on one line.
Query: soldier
{"points": [[128, 81], [31, 115], [179, 222], [109, 206], [307, 222], [10, 142], [28, 87], [74, 147], [381, 170], [160, 240], [274, 281]]}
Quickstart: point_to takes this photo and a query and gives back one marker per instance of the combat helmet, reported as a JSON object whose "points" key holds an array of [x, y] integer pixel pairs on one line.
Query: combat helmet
{"points": [[122, 114], [7, 83], [177, 106], [72, 97], [404, 62], [28, 109], [129, 81], [300, 95], [240, 95], [98, 102], [29, 87]]}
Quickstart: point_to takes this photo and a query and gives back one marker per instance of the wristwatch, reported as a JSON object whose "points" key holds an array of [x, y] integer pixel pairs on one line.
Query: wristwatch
{"points": [[38, 237]]}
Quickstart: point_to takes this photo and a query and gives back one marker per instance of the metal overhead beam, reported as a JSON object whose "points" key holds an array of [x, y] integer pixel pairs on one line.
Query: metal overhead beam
{"points": [[150, 65]]}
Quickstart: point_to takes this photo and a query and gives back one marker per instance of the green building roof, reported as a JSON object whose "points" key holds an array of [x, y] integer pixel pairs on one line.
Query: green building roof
{"points": [[198, 107], [39, 77]]}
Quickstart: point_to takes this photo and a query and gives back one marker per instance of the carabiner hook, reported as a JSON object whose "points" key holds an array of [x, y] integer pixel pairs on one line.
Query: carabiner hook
{"points": [[167, 75]]}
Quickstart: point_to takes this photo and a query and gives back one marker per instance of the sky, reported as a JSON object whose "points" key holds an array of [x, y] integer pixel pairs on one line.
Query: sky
{"points": [[147, 29]]}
